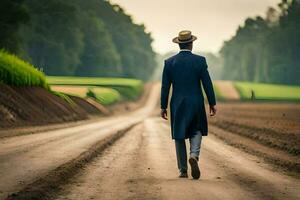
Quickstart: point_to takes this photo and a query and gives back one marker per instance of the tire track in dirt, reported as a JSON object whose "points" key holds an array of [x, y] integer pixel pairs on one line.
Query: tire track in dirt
{"points": [[19, 170], [120, 172], [281, 159], [44, 187]]}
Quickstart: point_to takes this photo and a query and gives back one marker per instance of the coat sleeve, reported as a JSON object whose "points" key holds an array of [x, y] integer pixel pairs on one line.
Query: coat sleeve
{"points": [[207, 85], [165, 87]]}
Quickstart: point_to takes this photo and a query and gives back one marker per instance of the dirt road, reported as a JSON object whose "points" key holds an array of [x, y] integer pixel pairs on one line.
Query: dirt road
{"points": [[139, 165], [146, 169], [24, 159]]}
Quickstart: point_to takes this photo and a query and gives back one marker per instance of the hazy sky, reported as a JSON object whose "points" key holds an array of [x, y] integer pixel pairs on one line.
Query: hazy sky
{"points": [[213, 21]]}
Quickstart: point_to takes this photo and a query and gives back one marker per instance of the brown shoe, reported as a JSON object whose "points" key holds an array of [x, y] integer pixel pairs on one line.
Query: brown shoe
{"points": [[183, 175], [195, 168]]}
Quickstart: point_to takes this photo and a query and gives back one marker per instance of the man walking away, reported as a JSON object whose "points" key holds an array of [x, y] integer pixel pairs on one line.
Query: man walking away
{"points": [[185, 72]]}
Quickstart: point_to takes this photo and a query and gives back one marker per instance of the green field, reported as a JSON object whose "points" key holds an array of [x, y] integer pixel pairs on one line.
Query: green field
{"points": [[264, 91], [128, 88], [15, 71], [104, 95]]}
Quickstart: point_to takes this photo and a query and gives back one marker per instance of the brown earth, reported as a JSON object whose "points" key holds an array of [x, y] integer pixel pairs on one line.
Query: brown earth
{"points": [[29, 109], [24, 106], [142, 163], [269, 130], [146, 169], [43, 161]]}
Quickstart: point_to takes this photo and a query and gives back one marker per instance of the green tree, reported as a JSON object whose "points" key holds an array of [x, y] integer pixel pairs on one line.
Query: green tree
{"points": [[12, 15], [53, 39], [133, 44], [100, 57], [266, 50], [84, 38]]}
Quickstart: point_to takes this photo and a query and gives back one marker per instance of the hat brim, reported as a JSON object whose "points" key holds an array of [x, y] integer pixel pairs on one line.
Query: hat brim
{"points": [[176, 40]]}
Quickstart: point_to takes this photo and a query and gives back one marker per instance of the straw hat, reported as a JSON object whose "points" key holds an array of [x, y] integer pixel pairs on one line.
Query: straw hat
{"points": [[184, 37]]}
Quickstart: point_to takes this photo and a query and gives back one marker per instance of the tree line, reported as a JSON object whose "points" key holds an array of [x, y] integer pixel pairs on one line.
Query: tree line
{"points": [[266, 49], [83, 38]]}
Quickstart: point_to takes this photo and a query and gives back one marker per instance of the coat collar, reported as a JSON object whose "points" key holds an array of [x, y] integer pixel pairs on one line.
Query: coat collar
{"points": [[185, 51], [181, 50]]}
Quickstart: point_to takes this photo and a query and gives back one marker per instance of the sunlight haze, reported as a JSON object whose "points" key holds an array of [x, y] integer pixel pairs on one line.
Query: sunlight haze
{"points": [[212, 21]]}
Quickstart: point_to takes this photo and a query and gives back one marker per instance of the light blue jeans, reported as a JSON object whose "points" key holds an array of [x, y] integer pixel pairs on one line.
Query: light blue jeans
{"points": [[195, 145]]}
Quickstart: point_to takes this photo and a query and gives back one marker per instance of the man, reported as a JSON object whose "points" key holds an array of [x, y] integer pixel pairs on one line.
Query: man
{"points": [[185, 72]]}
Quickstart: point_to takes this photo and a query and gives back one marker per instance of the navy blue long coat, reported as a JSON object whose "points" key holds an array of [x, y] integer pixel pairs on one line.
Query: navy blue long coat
{"points": [[185, 72]]}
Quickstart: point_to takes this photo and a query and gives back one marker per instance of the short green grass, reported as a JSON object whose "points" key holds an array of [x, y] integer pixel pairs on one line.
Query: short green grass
{"points": [[128, 88], [15, 71], [105, 96], [264, 91]]}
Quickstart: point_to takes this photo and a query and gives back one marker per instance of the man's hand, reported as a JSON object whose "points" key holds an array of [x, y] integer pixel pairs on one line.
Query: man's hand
{"points": [[164, 114], [212, 110]]}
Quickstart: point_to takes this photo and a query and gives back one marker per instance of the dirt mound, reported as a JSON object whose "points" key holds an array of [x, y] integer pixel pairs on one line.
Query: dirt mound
{"points": [[23, 106]]}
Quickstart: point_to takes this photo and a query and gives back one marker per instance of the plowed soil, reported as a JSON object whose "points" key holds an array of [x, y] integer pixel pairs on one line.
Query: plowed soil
{"points": [[272, 130]]}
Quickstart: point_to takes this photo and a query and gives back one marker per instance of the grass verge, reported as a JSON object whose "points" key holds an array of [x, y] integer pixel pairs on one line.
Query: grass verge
{"points": [[105, 96], [128, 88], [17, 72]]}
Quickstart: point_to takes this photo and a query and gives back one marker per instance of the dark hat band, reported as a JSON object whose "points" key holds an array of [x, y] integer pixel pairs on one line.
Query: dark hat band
{"points": [[185, 39]]}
